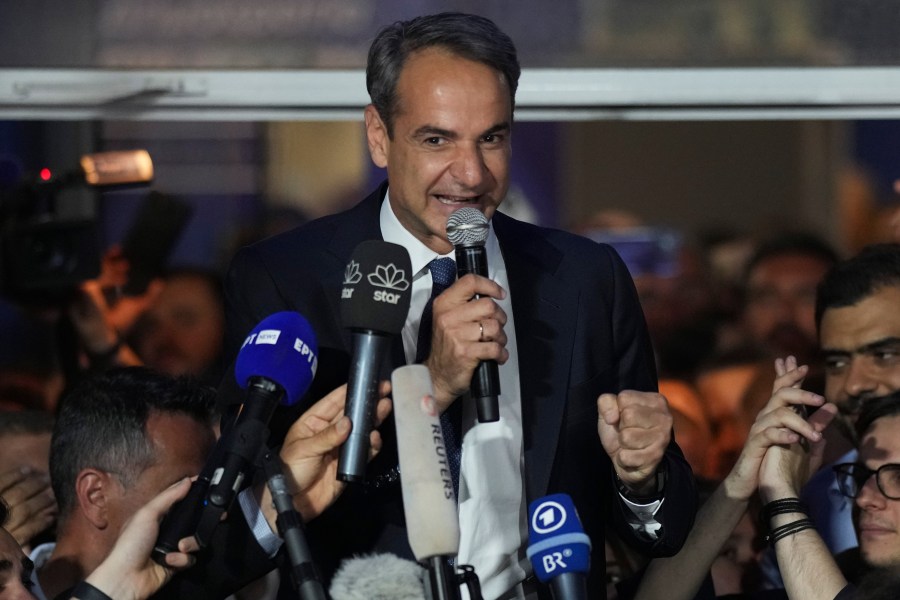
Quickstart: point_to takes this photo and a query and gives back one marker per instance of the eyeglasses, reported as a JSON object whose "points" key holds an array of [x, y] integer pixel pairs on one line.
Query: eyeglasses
{"points": [[852, 477]]}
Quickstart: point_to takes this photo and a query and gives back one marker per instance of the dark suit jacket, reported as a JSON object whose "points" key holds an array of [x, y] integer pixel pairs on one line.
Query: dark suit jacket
{"points": [[580, 330]]}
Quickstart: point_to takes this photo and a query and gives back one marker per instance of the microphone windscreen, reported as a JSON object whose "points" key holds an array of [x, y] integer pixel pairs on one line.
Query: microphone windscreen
{"points": [[377, 287], [557, 543], [281, 348], [467, 227], [378, 577], [432, 522]]}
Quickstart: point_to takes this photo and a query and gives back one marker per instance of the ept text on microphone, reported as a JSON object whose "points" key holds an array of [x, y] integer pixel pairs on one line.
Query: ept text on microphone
{"points": [[559, 550], [374, 303], [276, 364], [467, 230]]}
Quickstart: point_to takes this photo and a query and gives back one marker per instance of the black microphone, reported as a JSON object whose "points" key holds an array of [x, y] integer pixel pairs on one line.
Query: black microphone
{"points": [[290, 527], [374, 304], [275, 365], [467, 230]]}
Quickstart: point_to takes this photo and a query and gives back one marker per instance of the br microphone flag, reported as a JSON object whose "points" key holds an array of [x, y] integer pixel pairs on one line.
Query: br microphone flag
{"points": [[557, 544]]}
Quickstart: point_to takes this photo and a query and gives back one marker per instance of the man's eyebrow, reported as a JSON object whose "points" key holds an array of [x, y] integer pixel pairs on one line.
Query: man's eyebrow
{"points": [[864, 349], [431, 130], [879, 344], [6, 565]]}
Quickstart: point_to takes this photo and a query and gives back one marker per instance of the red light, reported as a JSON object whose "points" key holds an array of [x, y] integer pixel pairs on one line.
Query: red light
{"points": [[46, 174]]}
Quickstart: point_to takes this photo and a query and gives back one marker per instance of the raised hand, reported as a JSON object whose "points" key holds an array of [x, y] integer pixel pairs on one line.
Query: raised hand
{"points": [[465, 332], [30, 502], [635, 428], [311, 450], [780, 422], [787, 464]]}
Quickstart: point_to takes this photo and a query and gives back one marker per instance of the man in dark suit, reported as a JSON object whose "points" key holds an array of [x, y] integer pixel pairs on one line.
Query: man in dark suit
{"points": [[579, 408]]}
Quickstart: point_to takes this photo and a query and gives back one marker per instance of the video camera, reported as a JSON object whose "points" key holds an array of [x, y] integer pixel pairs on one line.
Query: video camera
{"points": [[43, 255]]}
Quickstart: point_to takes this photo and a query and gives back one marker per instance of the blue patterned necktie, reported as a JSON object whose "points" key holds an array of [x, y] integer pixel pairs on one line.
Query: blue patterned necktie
{"points": [[443, 274]]}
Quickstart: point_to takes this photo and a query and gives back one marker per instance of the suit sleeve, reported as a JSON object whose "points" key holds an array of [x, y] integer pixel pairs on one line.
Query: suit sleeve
{"points": [[637, 371]]}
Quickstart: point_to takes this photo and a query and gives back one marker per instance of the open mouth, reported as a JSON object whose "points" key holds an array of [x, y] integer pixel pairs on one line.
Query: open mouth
{"points": [[456, 200]]}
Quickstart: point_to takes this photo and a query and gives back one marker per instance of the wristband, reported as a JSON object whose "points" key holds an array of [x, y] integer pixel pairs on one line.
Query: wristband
{"points": [[780, 507], [790, 529], [86, 591]]}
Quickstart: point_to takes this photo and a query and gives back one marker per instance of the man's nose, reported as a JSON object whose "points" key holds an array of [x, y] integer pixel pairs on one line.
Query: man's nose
{"points": [[869, 496], [859, 380], [468, 166]]}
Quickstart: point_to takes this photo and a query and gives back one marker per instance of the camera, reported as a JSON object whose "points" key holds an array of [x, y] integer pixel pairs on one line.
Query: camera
{"points": [[45, 256]]}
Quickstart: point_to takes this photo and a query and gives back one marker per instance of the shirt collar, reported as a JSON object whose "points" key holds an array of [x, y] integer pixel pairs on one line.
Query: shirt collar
{"points": [[419, 254]]}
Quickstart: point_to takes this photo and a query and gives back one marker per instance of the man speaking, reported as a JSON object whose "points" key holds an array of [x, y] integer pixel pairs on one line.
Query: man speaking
{"points": [[578, 408]]}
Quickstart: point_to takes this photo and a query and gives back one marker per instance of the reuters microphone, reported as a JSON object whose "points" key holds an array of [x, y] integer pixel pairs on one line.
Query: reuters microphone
{"points": [[558, 547], [374, 304]]}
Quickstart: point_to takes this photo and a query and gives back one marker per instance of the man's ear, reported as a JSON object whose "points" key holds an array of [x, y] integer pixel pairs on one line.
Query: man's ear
{"points": [[93, 489], [377, 136]]}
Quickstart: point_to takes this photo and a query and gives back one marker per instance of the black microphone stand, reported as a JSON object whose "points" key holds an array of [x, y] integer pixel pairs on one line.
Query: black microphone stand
{"points": [[290, 528]]}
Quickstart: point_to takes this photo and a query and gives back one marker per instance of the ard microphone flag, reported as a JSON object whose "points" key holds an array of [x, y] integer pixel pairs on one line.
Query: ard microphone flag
{"points": [[558, 548]]}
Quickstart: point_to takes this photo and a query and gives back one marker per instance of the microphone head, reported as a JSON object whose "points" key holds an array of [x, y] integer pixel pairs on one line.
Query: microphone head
{"points": [[557, 543], [378, 577], [432, 521], [377, 287], [467, 227], [283, 349]]}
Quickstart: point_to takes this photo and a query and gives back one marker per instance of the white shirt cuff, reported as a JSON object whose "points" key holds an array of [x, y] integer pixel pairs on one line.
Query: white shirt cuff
{"points": [[644, 517], [265, 537]]}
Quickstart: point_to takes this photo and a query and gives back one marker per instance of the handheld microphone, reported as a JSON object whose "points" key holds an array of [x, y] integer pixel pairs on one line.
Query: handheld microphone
{"points": [[275, 365], [290, 527], [429, 504], [374, 305], [559, 550], [467, 230]]}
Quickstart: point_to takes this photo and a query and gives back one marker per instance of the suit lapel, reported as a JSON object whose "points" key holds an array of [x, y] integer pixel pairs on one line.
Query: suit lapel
{"points": [[545, 312]]}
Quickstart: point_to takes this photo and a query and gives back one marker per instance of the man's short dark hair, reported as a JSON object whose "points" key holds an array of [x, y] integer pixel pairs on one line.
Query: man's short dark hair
{"points": [[469, 36], [102, 424], [790, 244], [873, 409], [875, 267]]}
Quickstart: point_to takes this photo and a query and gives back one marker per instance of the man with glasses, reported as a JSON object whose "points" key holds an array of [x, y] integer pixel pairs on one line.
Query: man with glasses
{"points": [[872, 481]]}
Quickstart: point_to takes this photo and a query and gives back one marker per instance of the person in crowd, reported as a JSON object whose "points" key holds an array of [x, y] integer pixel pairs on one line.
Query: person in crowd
{"points": [[182, 330], [681, 576], [579, 410], [871, 481], [777, 319], [119, 439], [124, 435], [25, 474]]}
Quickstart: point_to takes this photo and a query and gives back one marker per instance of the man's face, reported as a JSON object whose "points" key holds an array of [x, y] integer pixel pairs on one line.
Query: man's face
{"points": [[15, 570], [181, 445], [861, 347], [779, 313], [182, 332], [878, 517], [450, 145]]}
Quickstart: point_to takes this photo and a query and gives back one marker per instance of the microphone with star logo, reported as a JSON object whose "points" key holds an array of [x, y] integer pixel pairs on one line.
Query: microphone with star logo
{"points": [[375, 299]]}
